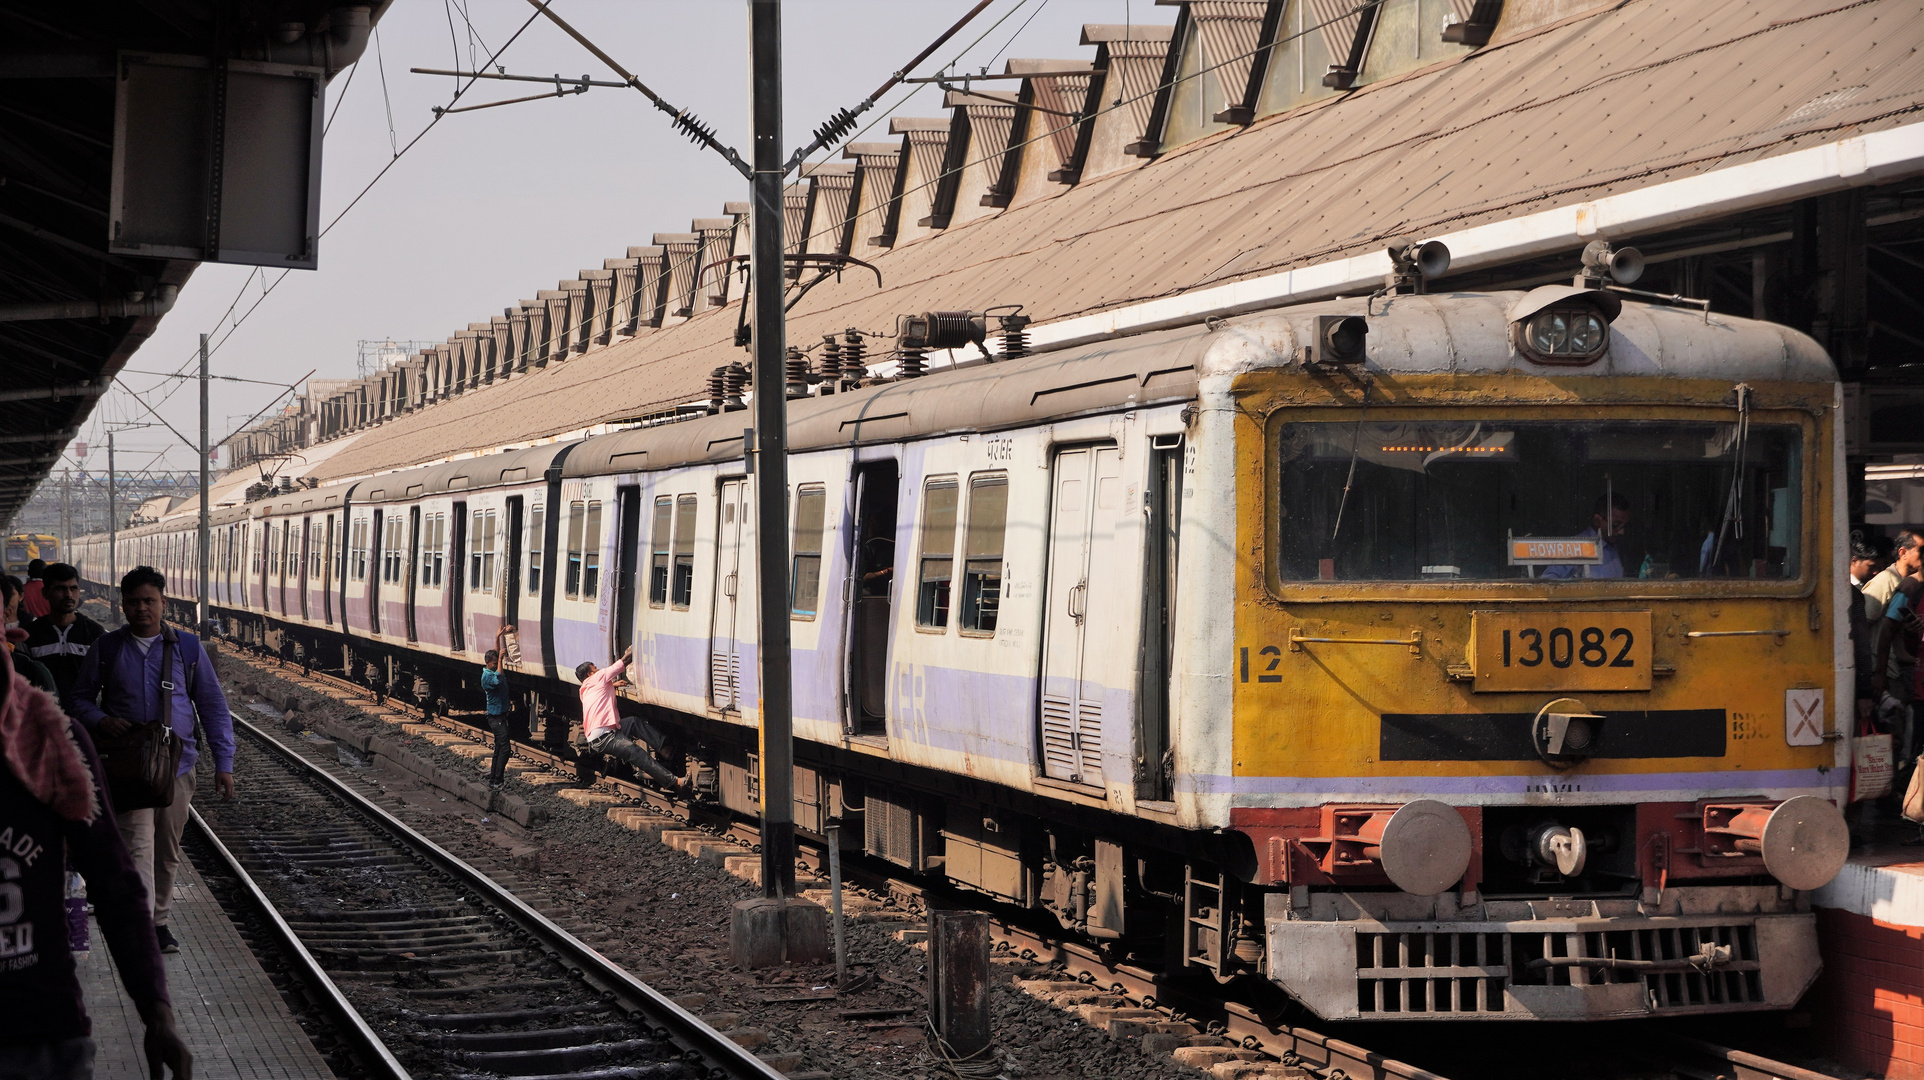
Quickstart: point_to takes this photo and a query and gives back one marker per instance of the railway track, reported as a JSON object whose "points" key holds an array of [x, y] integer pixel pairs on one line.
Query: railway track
{"points": [[1257, 1025], [427, 966]]}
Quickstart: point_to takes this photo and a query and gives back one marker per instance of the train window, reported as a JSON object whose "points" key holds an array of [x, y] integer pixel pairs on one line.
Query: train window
{"points": [[314, 551], [1494, 499], [576, 519], [434, 550], [938, 553], [683, 592], [982, 558], [537, 546], [393, 553], [658, 551], [481, 551], [805, 581], [591, 553], [360, 549]]}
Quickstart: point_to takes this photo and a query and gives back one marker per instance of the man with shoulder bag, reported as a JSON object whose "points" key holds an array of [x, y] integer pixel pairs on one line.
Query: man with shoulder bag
{"points": [[132, 680]]}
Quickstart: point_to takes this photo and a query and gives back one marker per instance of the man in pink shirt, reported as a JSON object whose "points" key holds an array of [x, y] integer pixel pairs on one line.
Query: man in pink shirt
{"points": [[612, 734]]}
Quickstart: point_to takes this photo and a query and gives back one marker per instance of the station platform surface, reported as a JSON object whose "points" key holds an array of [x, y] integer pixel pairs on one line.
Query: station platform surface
{"points": [[228, 1012], [1869, 1001]]}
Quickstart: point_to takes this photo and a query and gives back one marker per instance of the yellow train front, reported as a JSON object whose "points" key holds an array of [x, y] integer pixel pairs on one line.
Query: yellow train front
{"points": [[1537, 654]]}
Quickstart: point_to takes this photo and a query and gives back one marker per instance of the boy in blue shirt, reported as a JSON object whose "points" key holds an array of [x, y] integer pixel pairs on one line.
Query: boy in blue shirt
{"points": [[494, 690]]}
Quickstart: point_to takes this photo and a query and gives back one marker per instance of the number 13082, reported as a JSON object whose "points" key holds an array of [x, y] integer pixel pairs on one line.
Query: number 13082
{"points": [[1562, 650]]}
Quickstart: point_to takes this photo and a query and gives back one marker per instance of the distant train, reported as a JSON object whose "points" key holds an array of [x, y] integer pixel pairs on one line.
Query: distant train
{"points": [[24, 548], [1466, 655]]}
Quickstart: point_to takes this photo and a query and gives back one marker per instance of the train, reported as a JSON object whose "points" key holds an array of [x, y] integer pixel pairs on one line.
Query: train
{"points": [[1435, 655], [24, 548]]}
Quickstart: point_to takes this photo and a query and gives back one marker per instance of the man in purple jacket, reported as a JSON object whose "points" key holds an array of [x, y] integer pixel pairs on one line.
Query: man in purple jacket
{"points": [[53, 812], [136, 675]]}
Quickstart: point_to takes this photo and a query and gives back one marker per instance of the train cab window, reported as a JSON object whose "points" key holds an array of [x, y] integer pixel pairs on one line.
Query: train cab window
{"points": [[481, 551], [683, 590], [932, 592], [982, 558], [805, 581], [434, 551], [536, 546], [658, 551], [1557, 501]]}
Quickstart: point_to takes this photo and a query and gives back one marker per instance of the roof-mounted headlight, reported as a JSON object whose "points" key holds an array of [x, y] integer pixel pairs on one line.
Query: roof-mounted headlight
{"points": [[1561, 324]]}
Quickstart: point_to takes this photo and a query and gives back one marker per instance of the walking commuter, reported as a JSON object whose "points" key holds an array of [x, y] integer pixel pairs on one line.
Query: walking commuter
{"points": [[608, 732], [139, 674], [32, 670], [494, 690], [33, 602], [60, 639], [52, 805]]}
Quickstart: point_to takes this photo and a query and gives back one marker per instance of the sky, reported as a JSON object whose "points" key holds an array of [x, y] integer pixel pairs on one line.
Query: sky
{"points": [[489, 206]]}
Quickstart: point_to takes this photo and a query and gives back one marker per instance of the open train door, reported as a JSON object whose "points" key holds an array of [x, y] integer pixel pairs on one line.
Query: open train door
{"points": [[1087, 654], [457, 586], [627, 565], [871, 586]]}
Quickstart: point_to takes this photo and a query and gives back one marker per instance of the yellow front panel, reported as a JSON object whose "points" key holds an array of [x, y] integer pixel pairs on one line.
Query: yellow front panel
{"points": [[1308, 712]]}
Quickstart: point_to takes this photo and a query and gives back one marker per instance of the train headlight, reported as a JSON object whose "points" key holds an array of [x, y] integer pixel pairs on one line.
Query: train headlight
{"points": [[1561, 324]]}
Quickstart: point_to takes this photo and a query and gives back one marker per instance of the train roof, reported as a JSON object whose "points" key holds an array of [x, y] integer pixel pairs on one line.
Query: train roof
{"points": [[467, 474]]}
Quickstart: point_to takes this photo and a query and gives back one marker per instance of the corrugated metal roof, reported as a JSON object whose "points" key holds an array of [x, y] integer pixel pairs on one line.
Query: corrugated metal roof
{"points": [[1230, 30], [1648, 91]]}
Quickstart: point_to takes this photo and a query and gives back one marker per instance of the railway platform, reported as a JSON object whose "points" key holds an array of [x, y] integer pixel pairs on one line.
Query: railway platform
{"points": [[1868, 1005], [229, 1013]]}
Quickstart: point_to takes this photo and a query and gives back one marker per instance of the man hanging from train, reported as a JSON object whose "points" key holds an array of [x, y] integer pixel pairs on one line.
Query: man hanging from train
{"points": [[142, 673], [60, 639], [608, 732]]}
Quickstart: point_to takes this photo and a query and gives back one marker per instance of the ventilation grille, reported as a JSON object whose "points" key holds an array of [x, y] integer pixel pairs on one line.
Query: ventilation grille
{"points": [[1431, 973], [1468, 973], [891, 829]]}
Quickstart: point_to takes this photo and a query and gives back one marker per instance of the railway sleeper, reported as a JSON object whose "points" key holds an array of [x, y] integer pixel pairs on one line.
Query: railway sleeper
{"points": [[470, 1021], [539, 1062]]}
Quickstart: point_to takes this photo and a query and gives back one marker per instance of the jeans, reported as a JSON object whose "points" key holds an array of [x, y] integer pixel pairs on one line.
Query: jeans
{"points": [[68, 1059], [620, 743], [503, 747], [153, 839]]}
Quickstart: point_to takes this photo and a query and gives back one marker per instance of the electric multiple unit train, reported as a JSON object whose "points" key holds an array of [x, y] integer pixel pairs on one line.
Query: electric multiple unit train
{"points": [[1450, 655]]}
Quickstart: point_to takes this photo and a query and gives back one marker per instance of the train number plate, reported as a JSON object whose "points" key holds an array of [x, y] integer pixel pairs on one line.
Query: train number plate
{"points": [[1561, 650]]}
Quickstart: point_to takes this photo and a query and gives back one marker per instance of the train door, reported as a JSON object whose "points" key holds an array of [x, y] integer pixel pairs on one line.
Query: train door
{"points": [[872, 587], [627, 561], [724, 647], [511, 587], [327, 575], [413, 564], [1083, 626], [457, 585], [375, 567], [307, 564], [1162, 512]]}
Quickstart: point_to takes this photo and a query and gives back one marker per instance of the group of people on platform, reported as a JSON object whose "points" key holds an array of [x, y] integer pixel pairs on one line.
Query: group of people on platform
{"points": [[72, 693]]}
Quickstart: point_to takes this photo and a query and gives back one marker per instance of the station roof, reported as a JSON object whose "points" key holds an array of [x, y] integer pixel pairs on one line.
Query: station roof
{"points": [[71, 312]]}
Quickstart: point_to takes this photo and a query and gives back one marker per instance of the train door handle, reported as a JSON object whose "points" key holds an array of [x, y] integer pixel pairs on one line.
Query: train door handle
{"points": [[728, 586], [1079, 601]]}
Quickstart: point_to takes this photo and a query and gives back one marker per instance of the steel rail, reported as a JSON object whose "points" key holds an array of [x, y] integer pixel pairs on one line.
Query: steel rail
{"points": [[1746, 1065], [367, 1045], [725, 1057]]}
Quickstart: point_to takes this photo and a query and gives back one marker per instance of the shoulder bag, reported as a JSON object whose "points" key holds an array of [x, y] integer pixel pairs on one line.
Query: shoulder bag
{"points": [[141, 763]]}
